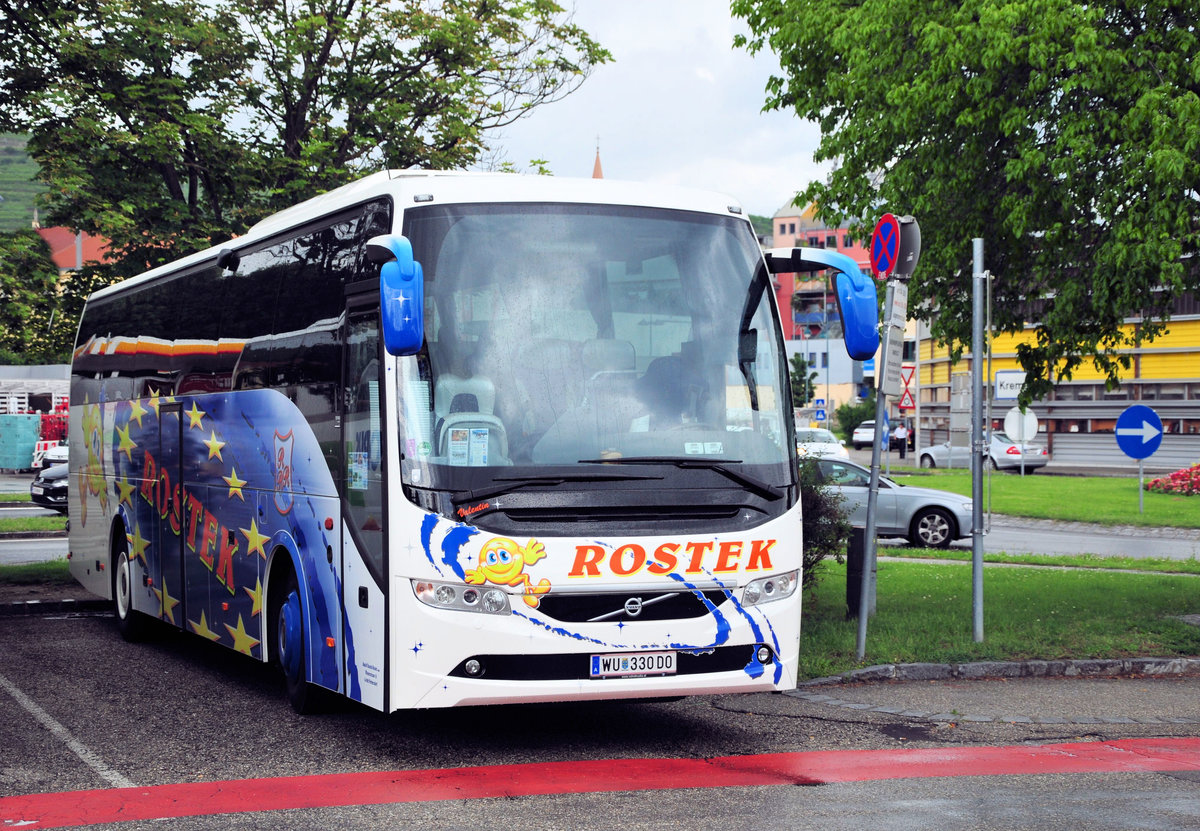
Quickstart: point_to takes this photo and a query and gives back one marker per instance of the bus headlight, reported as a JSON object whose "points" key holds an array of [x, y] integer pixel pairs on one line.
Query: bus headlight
{"points": [[461, 598], [766, 589]]}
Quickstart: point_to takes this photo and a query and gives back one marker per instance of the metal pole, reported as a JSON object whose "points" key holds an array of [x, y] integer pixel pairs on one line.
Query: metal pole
{"points": [[1141, 486], [865, 606], [977, 440]]}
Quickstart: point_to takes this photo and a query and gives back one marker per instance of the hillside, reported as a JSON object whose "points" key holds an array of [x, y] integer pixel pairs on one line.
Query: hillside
{"points": [[16, 184]]}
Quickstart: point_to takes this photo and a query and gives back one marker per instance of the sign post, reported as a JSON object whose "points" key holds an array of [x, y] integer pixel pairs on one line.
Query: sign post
{"points": [[1021, 426], [895, 249], [1139, 433]]}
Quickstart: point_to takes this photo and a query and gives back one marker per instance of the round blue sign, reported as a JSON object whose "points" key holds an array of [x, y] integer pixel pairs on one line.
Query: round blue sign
{"points": [[1139, 431]]}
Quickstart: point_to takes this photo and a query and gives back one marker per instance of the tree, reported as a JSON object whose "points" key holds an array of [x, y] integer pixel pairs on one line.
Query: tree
{"points": [[28, 295], [168, 125], [825, 526], [1059, 131], [802, 381], [850, 415]]}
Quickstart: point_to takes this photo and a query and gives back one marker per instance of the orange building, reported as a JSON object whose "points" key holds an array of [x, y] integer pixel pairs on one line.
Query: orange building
{"points": [[70, 250]]}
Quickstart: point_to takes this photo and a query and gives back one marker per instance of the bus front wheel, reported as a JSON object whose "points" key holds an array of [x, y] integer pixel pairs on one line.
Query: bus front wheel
{"points": [[131, 623], [289, 646]]}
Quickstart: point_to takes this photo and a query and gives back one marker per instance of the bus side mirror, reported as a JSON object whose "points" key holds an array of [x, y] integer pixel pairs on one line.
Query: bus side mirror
{"points": [[858, 303], [858, 307], [401, 294]]}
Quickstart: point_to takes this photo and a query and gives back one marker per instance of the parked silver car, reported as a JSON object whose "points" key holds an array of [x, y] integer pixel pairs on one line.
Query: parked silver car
{"points": [[1003, 454], [926, 517]]}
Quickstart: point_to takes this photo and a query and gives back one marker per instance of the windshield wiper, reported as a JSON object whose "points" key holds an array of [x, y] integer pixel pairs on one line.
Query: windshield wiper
{"points": [[512, 483], [719, 466]]}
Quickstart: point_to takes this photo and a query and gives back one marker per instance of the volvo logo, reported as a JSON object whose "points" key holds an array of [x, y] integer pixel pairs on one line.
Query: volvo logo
{"points": [[633, 607]]}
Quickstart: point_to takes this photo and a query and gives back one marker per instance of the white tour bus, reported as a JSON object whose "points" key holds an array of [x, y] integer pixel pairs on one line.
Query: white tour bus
{"points": [[436, 439]]}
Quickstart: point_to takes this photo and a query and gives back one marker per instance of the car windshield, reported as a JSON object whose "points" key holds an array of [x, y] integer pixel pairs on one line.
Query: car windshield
{"points": [[575, 335], [810, 436]]}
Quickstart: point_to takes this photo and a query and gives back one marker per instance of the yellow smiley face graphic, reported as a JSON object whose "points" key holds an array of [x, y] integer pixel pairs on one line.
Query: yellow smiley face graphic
{"points": [[502, 562]]}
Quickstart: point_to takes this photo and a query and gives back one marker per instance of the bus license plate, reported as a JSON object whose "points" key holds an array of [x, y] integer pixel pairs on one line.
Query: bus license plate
{"points": [[626, 665]]}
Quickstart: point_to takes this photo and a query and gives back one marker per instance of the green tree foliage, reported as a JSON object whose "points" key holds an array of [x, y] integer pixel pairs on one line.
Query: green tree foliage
{"points": [[28, 298], [1061, 132], [849, 415], [802, 381], [168, 125]]}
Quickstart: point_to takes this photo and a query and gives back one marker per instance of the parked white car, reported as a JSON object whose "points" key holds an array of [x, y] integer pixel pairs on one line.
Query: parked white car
{"points": [[1003, 454], [56, 455], [818, 442], [863, 435]]}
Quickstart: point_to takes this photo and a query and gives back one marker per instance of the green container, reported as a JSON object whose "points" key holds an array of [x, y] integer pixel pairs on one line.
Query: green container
{"points": [[18, 437]]}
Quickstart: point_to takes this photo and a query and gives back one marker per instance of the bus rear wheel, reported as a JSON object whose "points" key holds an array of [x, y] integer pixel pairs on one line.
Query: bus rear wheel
{"points": [[289, 642]]}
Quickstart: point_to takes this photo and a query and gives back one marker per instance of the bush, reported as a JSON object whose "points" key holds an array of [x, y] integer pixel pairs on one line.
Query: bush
{"points": [[825, 527], [849, 416], [1184, 482]]}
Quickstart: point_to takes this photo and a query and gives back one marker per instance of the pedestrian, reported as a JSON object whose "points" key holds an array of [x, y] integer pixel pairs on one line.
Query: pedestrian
{"points": [[900, 434]]}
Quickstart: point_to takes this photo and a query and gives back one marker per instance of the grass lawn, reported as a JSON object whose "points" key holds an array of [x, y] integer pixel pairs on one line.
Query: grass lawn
{"points": [[1159, 564], [924, 615], [1107, 500], [34, 524], [52, 573]]}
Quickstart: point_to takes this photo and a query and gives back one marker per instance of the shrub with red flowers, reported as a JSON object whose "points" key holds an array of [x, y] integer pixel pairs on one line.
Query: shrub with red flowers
{"points": [[1184, 482]]}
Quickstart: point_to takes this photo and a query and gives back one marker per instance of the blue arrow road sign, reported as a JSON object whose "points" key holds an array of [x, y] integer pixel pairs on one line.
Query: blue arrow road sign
{"points": [[1139, 431]]}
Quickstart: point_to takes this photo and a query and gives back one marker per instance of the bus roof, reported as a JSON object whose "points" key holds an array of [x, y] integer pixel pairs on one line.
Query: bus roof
{"points": [[418, 187]]}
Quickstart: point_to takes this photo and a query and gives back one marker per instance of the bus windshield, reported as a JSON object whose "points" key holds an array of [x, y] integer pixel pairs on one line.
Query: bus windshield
{"points": [[569, 335]]}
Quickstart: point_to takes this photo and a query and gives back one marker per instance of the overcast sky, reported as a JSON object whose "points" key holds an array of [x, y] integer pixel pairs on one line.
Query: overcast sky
{"points": [[677, 105]]}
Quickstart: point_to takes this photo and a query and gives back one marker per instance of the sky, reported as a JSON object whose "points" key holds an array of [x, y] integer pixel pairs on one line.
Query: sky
{"points": [[677, 105]]}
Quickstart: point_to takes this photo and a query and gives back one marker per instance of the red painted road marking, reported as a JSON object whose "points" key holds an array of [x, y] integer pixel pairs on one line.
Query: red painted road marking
{"points": [[73, 808]]}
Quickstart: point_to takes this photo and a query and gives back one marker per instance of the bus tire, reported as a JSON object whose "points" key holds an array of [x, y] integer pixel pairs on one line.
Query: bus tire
{"points": [[287, 618], [131, 624]]}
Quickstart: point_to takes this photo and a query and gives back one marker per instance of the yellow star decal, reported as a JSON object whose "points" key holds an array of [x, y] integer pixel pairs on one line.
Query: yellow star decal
{"points": [[154, 402], [126, 444], [241, 641], [255, 540], [125, 490], [256, 596], [166, 604], [235, 485], [202, 629], [137, 411], [195, 416], [138, 545], [213, 444]]}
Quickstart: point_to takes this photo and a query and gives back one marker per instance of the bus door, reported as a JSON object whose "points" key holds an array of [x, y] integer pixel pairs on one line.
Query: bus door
{"points": [[171, 512], [364, 560]]}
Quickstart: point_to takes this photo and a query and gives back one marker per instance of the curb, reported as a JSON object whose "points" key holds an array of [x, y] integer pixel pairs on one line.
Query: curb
{"points": [[1080, 668], [52, 607]]}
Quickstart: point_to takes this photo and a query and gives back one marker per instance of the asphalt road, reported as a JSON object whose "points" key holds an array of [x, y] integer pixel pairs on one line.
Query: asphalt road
{"points": [[127, 723]]}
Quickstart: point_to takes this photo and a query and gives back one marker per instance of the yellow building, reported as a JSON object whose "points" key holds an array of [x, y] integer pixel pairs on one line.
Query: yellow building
{"points": [[1077, 420]]}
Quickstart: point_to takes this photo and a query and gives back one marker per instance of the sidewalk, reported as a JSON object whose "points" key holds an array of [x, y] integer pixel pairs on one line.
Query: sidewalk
{"points": [[1162, 691]]}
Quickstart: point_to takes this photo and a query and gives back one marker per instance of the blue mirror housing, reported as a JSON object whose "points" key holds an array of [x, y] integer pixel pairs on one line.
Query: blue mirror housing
{"points": [[858, 302], [401, 294], [858, 306]]}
